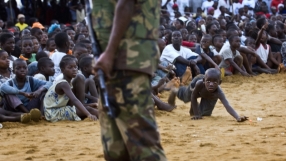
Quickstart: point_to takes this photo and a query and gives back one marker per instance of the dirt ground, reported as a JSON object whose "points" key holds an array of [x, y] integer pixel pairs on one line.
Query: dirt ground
{"points": [[218, 137]]}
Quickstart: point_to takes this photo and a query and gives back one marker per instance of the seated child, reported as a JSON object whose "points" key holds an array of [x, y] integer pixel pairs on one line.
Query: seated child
{"points": [[207, 87], [256, 67], [77, 83], [85, 65], [45, 68], [50, 46], [5, 72], [79, 49], [7, 42], [36, 45], [207, 56], [78, 38], [180, 56], [88, 46], [62, 44], [232, 61], [21, 94], [8, 116], [27, 50], [33, 67], [263, 49], [217, 42], [56, 101]]}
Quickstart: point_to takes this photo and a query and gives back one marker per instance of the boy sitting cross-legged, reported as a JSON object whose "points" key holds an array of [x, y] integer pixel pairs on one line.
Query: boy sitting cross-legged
{"points": [[21, 94]]}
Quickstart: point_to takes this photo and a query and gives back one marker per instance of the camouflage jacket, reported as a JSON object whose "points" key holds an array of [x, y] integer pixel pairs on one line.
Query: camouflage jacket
{"points": [[138, 50]]}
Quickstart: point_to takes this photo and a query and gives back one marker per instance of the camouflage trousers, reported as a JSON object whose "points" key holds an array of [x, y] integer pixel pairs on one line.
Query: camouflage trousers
{"points": [[133, 134]]}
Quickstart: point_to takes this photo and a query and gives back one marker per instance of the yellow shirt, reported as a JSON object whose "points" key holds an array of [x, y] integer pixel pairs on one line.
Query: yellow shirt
{"points": [[21, 26]]}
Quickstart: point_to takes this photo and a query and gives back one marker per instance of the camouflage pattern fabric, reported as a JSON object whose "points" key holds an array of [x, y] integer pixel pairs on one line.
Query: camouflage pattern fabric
{"points": [[133, 134], [138, 50]]}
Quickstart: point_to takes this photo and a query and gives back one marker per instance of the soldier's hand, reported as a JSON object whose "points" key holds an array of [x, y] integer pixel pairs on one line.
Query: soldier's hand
{"points": [[105, 63]]}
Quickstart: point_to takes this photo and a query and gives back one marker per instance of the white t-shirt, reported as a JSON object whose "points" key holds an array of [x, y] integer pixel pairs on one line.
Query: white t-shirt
{"points": [[250, 3], [262, 52], [40, 77], [227, 54], [169, 53], [169, 8], [56, 58], [236, 7], [206, 5], [224, 3]]}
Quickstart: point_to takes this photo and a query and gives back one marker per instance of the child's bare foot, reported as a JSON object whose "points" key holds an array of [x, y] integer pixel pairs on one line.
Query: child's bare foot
{"points": [[172, 83], [186, 76], [35, 114], [162, 105], [172, 97], [25, 118]]}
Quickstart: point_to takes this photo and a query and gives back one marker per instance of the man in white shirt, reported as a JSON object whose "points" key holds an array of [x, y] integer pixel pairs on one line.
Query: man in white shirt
{"points": [[180, 56]]}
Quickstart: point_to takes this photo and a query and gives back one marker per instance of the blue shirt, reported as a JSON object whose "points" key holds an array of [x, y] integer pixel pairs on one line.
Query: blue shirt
{"points": [[14, 90]]}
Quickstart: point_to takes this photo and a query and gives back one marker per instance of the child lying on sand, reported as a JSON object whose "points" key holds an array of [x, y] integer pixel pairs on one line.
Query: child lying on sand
{"points": [[207, 87]]}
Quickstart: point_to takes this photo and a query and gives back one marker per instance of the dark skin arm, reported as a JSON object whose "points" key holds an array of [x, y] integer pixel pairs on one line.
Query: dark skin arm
{"points": [[276, 40], [191, 63], [246, 51], [124, 8], [229, 109], [251, 51], [264, 27], [194, 101], [26, 94], [38, 92], [64, 87], [165, 5], [205, 56], [232, 63]]}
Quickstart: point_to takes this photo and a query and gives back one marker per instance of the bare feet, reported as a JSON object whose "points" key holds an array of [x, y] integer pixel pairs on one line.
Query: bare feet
{"points": [[172, 97], [162, 105], [187, 76], [174, 83]]}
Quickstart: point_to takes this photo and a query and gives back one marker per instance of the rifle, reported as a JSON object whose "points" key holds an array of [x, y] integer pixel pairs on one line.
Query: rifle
{"points": [[96, 50]]}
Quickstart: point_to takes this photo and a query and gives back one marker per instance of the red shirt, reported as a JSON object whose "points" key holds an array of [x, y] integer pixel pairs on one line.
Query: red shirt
{"points": [[188, 44]]}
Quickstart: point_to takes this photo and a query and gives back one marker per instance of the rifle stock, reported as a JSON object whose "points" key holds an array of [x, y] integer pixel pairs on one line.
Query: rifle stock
{"points": [[96, 50]]}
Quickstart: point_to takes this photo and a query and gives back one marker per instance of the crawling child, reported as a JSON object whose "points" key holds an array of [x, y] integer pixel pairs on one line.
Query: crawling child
{"points": [[207, 87]]}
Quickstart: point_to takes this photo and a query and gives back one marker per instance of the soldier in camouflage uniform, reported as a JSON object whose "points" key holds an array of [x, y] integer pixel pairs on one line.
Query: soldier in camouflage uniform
{"points": [[127, 31]]}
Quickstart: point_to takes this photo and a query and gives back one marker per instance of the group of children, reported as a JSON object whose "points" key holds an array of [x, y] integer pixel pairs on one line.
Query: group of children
{"points": [[211, 49], [50, 78], [49, 74]]}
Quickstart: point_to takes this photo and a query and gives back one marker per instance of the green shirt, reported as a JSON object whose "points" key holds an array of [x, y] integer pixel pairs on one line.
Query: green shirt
{"points": [[138, 50], [30, 60]]}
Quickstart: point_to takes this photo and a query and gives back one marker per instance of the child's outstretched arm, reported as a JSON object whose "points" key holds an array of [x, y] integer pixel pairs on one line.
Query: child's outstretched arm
{"points": [[260, 32], [194, 101], [229, 109], [64, 86]]}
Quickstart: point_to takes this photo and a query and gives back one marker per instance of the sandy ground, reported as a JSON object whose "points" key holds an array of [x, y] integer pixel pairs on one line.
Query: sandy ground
{"points": [[218, 137]]}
